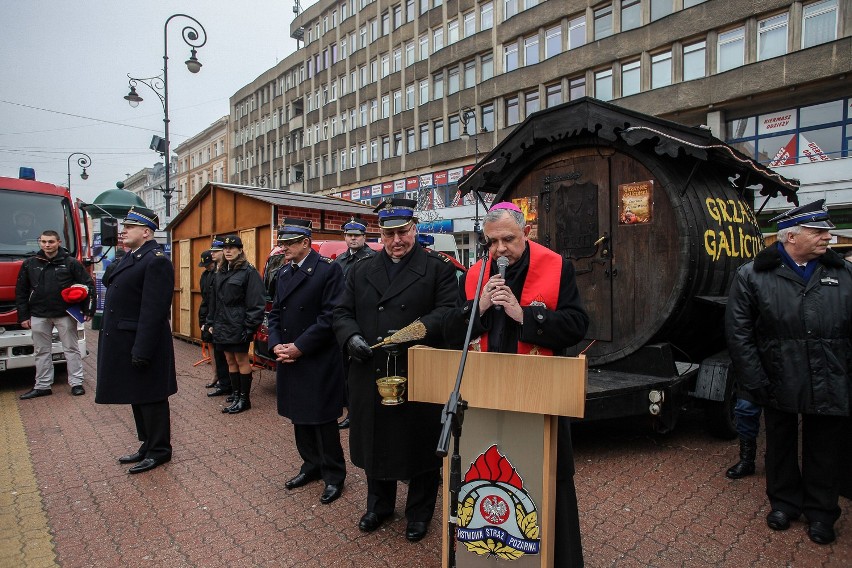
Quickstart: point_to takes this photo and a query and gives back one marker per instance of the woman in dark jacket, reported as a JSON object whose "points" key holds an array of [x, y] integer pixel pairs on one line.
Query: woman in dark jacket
{"points": [[235, 314]]}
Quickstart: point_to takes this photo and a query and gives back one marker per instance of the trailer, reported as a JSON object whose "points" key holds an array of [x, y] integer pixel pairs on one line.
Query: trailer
{"points": [[656, 217]]}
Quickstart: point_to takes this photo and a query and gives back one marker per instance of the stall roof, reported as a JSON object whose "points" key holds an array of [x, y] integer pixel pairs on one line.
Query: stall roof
{"points": [[549, 131], [280, 197]]}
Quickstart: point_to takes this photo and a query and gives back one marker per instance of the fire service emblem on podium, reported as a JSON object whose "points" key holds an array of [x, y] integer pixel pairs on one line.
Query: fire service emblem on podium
{"points": [[496, 516]]}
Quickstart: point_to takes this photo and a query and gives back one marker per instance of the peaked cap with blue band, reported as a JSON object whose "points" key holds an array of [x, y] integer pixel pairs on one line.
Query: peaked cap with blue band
{"points": [[217, 244], [396, 212], [813, 215], [142, 216], [294, 229], [355, 226]]}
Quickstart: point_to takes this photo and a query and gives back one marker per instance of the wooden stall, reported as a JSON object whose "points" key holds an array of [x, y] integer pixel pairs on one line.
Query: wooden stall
{"points": [[254, 214]]}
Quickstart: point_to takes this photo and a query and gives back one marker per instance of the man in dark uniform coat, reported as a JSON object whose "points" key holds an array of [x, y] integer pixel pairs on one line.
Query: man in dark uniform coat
{"points": [[383, 294], [310, 366], [136, 363], [355, 234], [788, 324], [536, 309]]}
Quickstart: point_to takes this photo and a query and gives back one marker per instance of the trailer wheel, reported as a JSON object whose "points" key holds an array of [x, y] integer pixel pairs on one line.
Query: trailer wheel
{"points": [[720, 417]]}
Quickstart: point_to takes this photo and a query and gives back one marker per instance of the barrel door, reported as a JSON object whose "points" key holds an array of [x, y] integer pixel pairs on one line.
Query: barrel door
{"points": [[626, 257]]}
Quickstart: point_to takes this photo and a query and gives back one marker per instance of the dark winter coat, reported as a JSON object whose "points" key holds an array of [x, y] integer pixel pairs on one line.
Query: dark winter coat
{"points": [[310, 391], [347, 260], [393, 442], [136, 324], [208, 277], [791, 337], [238, 306], [38, 291]]}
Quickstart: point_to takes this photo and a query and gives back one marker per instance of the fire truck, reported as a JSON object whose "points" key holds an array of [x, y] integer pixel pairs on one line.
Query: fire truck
{"points": [[27, 207]]}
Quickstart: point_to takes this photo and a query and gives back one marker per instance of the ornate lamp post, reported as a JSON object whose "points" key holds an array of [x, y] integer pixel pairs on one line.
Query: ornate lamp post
{"points": [[160, 86], [84, 161]]}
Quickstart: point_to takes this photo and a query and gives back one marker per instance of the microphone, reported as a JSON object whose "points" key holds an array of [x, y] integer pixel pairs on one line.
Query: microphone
{"points": [[502, 265]]}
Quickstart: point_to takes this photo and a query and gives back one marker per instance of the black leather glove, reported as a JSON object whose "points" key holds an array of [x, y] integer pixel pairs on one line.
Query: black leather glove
{"points": [[358, 349], [759, 395], [139, 362]]}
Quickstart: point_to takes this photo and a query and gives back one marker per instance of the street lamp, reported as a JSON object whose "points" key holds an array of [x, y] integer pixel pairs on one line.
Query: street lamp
{"points": [[160, 86], [84, 161], [466, 115]]}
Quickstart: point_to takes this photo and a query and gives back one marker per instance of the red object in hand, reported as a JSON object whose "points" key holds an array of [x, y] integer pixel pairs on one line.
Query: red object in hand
{"points": [[75, 294]]}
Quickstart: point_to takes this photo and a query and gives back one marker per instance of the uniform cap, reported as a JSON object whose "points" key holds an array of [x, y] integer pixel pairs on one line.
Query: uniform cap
{"points": [[75, 293], [294, 229], [217, 244], [232, 241], [142, 216], [395, 212], [206, 258], [355, 226], [813, 215]]}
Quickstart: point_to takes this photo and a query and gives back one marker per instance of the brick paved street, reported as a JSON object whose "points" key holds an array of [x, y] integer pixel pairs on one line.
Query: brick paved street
{"points": [[645, 500]]}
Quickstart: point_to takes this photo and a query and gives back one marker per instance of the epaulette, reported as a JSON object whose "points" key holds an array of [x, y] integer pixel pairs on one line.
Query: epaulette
{"points": [[326, 260], [436, 254], [159, 253]]}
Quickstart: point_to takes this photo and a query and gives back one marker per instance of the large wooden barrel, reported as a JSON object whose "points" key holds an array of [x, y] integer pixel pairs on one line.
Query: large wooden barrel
{"points": [[653, 239]]}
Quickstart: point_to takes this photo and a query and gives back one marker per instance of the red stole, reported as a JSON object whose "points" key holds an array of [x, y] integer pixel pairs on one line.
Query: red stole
{"points": [[540, 289]]}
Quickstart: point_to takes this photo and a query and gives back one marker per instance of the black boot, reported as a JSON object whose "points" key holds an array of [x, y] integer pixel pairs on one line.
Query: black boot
{"points": [[748, 450], [244, 403], [235, 392]]}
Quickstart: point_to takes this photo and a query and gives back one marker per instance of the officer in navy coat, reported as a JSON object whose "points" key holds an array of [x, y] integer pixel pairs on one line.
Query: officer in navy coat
{"points": [[310, 367], [136, 363]]}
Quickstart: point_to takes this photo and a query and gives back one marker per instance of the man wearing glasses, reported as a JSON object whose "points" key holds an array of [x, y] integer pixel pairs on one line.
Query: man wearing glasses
{"points": [[382, 295]]}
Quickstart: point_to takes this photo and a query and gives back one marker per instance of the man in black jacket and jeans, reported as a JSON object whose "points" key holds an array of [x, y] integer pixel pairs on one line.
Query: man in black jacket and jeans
{"points": [[41, 307]]}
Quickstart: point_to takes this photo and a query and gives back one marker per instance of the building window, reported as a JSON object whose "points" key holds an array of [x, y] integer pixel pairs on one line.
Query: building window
{"points": [[512, 111], [603, 22], [397, 144], [661, 70], [531, 103], [374, 150], [552, 42], [374, 110], [409, 11], [531, 50], [438, 86], [424, 91], [409, 97], [453, 80], [385, 65], [819, 23], [409, 53], [454, 127], [772, 37], [424, 136], [510, 8], [386, 147], [397, 102], [553, 94], [397, 16], [603, 85], [631, 14], [452, 31], [438, 132], [487, 63], [694, 61], [424, 47], [469, 24], [409, 140], [437, 39], [730, 52], [469, 74], [363, 153], [631, 79], [661, 9], [397, 60], [488, 117], [385, 106], [510, 57], [577, 32], [486, 16]]}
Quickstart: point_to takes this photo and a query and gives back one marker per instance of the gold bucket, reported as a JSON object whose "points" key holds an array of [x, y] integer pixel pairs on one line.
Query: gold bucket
{"points": [[391, 389]]}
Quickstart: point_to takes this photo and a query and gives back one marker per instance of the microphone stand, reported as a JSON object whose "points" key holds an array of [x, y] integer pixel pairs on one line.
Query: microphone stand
{"points": [[452, 419]]}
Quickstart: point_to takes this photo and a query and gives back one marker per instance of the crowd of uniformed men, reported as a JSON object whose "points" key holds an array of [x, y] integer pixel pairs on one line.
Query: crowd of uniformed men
{"points": [[789, 325]]}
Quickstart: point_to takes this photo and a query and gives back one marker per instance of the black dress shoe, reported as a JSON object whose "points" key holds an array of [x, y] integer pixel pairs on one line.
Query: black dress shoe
{"points": [[331, 493], [212, 385], [821, 533], [220, 392], [779, 520], [300, 480], [416, 530], [132, 458], [343, 424], [146, 464], [78, 390], [35, 393], [371, 521]]}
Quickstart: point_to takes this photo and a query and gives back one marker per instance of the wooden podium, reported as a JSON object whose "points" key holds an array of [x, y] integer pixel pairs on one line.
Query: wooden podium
{"points": [[513, 405]]}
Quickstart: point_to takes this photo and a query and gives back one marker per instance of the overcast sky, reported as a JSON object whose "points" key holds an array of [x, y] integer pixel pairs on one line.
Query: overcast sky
{"points": [[61, 58]]}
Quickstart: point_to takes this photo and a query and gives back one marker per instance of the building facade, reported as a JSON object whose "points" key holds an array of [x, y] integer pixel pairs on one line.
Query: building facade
{"points": [[201, 159], [399, 97]]}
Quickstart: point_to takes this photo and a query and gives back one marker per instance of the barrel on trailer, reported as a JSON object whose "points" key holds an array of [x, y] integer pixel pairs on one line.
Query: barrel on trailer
{"points": [[655, 216]]}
